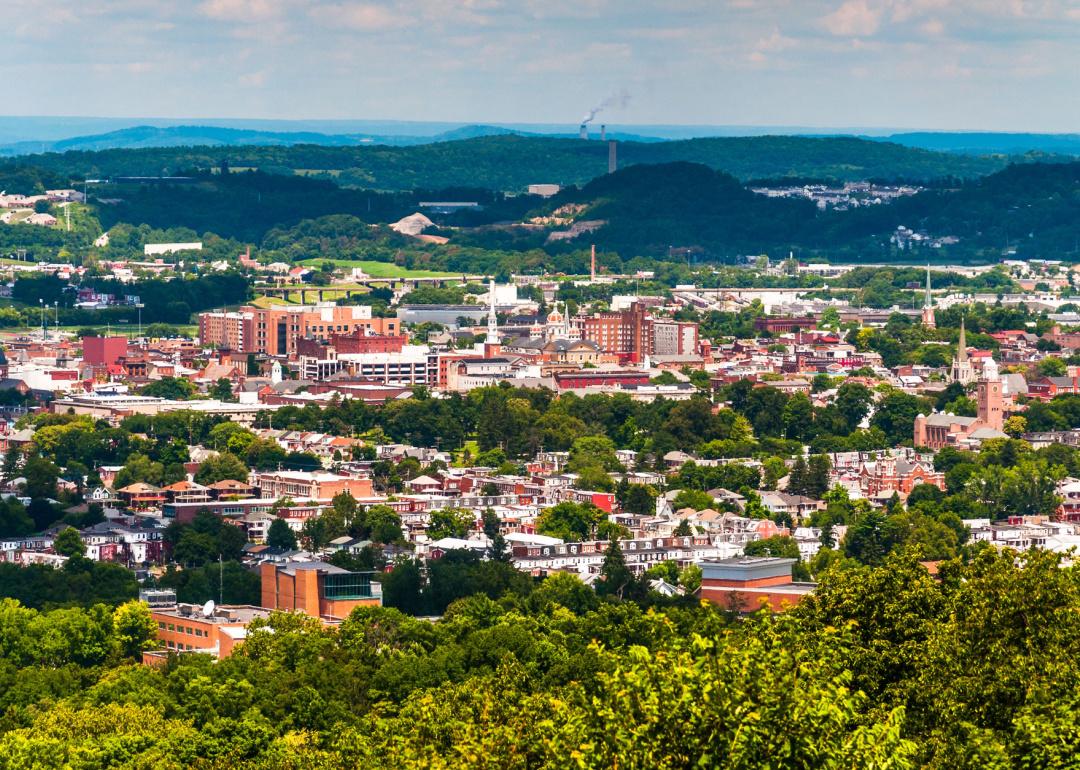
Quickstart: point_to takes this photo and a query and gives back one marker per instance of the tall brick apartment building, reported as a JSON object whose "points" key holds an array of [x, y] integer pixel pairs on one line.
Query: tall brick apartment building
{"points": [[632, 334], [276, 330]]}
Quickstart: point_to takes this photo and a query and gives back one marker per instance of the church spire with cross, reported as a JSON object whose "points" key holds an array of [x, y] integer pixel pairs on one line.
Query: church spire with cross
{"points": [[928, 305]]}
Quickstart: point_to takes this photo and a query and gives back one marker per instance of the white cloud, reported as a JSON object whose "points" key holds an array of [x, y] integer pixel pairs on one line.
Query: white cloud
{"points": [[854, 18], [364, 17], [242, 10], [252, 79]]}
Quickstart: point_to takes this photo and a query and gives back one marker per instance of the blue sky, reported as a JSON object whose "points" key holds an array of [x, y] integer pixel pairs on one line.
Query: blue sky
{"points": [[978, 64]]}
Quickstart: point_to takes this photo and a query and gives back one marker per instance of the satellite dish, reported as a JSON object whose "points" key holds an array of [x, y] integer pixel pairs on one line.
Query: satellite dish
{"points": [[208, 609]]}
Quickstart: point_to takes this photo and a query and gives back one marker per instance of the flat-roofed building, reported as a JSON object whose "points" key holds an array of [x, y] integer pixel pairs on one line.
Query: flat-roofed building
{"points": [[750, 583], [187, 628], [305, 485], [318, 589]]}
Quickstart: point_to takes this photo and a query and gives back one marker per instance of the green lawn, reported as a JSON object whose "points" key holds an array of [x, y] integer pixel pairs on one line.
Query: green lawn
{"points": [[379, 269]]}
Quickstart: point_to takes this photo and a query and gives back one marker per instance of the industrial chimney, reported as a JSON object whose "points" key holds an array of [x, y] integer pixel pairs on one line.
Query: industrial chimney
{"points": [[584, 132], [612, 163], [603, 132], [592, 268]]}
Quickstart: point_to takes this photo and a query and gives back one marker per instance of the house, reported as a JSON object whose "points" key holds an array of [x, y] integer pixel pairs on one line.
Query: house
{"points": [[186, 492], [230, 489], [141, 496]]}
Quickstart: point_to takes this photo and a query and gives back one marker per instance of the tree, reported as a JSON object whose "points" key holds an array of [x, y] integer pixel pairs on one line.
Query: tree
{"points": [[133, 629], [12, 463], [220, 467], [870, 539], [1015, 426], [68, 543], [221, 390], [565, 590], [692, 498], [570, 521], [817, 476], [1052, 367], [14, 519], [41, 476], [382, 524], [593, 452], [853, 400], [345, 507], [798, 417], [402, 588], [171, 388], [281, 535], [616, 578], [775, 469], [798, 481], [683, 529], [139, 468], [895, 416], [450, 522]]}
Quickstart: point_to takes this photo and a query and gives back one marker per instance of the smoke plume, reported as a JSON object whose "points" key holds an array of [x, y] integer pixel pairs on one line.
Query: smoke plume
{"points": [[618, 100]]}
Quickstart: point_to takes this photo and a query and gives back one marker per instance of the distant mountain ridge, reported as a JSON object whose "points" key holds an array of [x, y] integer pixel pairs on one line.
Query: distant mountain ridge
{"points": [[156, 133], [146, 136], [510, 162]]}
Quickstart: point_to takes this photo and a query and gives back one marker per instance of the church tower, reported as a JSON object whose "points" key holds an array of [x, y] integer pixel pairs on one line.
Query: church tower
{"points": [[990, 397], [962, 370], [492, 344], [928, 305]]}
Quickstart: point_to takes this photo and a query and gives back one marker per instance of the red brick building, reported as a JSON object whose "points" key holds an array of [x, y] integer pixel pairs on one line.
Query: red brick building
{"points": [[625, 333], [104, 351], [318, 589], [750, 583]]}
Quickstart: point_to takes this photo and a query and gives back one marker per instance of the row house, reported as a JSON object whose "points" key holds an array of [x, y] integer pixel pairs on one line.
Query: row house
{"points": [[1045, 388], [605, 501], [1069, 491], [640, 554]]}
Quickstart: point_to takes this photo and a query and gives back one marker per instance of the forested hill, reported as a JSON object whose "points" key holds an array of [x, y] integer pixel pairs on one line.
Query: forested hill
{"points": [[511, 163], [1033, 208]]}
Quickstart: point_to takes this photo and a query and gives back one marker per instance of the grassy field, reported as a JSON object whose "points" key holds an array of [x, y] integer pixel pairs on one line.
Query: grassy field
{"points": [[266, 302], [379, 269], [116, 330]]}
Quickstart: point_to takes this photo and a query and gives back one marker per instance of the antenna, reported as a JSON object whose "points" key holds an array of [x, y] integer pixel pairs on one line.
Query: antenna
{"points": [[208, 609]]}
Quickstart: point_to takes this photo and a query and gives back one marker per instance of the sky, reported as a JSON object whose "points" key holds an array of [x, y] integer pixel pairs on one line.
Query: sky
{"points": [[936, 64]]}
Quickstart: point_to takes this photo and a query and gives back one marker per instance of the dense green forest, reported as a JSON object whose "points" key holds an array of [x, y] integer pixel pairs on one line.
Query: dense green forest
{"points": [[884, 667], [511, 163], [672, 211]]}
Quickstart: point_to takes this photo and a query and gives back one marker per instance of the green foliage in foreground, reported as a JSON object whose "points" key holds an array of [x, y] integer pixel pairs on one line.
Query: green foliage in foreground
{"points": [[883, 668]]}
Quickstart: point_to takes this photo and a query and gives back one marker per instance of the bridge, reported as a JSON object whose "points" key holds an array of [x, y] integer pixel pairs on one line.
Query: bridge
{"points": [[399, 285]]}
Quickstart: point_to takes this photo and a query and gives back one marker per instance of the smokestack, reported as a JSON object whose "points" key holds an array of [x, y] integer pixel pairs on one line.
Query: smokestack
{"points": [[612, 163], [603, 132], [592, 269], [584, 132]]}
